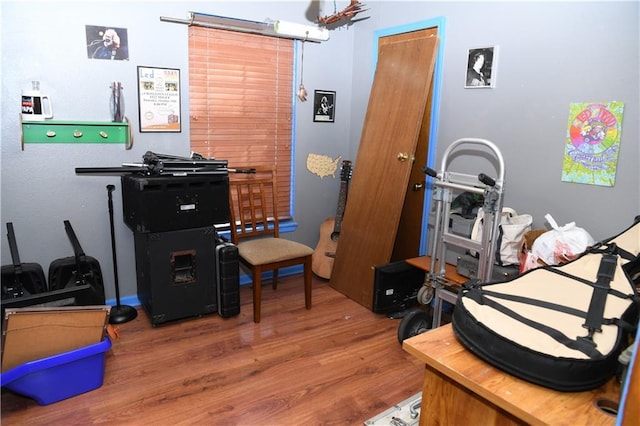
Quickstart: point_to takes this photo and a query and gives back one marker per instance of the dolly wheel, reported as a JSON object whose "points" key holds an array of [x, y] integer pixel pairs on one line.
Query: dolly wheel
{"points": [[425, 294], [414, 323]]}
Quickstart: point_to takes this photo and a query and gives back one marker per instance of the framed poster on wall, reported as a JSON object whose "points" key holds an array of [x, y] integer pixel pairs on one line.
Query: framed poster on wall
{"points": [[159, 99], [324, 106], [111, 43], [481, 68]]}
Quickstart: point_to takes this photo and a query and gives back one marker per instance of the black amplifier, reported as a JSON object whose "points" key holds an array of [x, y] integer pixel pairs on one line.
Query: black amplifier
{"points": [[396, 287], [170, 203]]}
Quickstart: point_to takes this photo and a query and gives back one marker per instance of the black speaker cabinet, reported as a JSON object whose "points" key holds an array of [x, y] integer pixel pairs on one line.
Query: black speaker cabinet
{"points": [[170, 203], [396, 287], [176, 273]]}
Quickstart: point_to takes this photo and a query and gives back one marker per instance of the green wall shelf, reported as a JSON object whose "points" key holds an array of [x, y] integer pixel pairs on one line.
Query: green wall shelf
{"points": [[50, 131]]}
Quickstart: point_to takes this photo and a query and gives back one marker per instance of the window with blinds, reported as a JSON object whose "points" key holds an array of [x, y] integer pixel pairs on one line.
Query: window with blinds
{"points": [[241, 100]]}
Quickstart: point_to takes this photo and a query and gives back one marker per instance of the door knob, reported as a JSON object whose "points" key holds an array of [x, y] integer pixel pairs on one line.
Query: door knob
{"points": [[403, 156]]}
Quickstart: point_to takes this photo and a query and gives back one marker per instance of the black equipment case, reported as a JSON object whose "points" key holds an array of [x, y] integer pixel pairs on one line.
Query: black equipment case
{"points": [[562, 327], [169, 203], [21, 279], [77, 270], [227, 278]]}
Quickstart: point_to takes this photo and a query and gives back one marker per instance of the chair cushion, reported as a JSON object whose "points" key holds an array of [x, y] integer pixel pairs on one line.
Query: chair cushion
{"points": [[267, 250]]}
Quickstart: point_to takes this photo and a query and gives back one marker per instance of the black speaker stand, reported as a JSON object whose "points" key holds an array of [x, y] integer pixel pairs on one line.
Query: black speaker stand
{"points": [[119, 313]]}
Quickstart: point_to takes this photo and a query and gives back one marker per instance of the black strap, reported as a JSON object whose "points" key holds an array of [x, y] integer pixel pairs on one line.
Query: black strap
{"points": [[554, 306], [83, 271], [15, 289], [627, 255], [13, 248], [536, 302], [609, 247], [498, 246], [612, 291], [585, 346], [606, 272]]}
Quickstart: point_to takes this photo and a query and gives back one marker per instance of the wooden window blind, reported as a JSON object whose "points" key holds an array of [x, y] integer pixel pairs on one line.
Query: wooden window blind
{"points": [[241, 100]]}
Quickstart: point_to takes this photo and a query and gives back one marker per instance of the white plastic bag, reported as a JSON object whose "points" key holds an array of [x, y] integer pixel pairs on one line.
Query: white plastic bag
{"points": [[561, 244], [512, 229]]}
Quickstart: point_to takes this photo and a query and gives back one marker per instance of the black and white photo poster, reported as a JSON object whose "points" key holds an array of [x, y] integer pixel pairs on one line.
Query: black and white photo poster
{"points": [[481, 68], [324, 106]]}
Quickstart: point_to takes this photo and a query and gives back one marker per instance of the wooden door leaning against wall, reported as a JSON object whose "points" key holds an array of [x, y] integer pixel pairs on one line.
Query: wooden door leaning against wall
{"points": [[409, 235], [383, 165]]}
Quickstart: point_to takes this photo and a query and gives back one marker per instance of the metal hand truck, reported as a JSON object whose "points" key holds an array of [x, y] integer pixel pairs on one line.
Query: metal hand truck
{"points": [[445, 183], [437, 287]]}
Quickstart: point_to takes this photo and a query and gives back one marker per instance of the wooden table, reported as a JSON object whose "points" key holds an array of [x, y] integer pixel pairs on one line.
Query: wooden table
{"points": [[424, 263], [461, 389]]}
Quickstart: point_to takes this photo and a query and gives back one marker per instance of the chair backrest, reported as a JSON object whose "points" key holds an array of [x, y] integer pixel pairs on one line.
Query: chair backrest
{"points": [[253, 203]]}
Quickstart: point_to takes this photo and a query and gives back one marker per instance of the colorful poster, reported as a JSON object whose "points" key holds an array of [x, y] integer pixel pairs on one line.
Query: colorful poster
{"points": [[159, 99], [593, 143]]}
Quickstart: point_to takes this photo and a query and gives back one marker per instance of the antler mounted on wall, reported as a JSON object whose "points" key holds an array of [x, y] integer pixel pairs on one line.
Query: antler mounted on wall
{"points": [[344, 17]]}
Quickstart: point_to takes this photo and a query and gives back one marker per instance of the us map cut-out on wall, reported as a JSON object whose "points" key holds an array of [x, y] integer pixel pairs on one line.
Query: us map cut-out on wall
{"points": [[593, 143], [322, 165]]}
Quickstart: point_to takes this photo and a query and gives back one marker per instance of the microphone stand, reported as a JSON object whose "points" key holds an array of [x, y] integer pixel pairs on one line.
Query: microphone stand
{"points": [[119, 313]]}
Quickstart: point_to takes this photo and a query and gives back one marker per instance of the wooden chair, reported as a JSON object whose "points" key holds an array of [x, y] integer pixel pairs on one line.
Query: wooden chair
{"points": [[254, 219]]}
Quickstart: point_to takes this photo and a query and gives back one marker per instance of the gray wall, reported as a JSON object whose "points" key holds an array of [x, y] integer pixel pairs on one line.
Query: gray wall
{"points": [[550, 56]]}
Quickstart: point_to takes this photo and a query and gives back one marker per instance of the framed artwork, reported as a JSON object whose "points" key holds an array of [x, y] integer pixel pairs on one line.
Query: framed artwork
{"points": [[159, 99], [111, 43], [593, 143], [481, 68], [324, 106]]}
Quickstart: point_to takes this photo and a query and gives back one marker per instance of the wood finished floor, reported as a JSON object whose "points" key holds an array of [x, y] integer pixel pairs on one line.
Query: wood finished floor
{"points": [[336, 364]]}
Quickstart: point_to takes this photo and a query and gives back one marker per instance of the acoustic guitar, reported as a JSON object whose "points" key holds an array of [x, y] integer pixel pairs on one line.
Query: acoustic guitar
{"points": [[325, 252]]}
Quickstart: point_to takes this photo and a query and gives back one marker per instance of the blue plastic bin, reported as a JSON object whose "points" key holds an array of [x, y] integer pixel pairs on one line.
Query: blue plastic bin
{"points": [[58, 377]]}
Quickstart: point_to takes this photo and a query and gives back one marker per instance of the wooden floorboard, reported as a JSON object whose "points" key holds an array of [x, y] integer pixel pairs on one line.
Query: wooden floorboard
{"points": [[336, 364]]}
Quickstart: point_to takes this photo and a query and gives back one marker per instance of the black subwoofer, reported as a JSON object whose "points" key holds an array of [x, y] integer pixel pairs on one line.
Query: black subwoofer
{"points": [[176, 273]]}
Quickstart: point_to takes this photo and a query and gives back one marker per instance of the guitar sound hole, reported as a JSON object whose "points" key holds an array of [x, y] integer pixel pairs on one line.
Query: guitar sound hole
{"points": [[335, 236]]}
